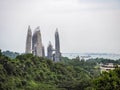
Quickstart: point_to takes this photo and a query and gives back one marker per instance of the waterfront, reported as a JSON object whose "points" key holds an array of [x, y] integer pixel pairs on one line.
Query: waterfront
{"points": [[87, 56]]}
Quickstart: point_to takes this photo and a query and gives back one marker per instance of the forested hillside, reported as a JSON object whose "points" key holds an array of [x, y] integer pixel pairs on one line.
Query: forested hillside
{"points": [[28, 72]]}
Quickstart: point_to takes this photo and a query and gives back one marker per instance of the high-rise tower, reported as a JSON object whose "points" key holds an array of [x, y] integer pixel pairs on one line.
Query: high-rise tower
{"points": [[28, 41], [50, 51], [37, 43], [57, 47], [43, 51]]}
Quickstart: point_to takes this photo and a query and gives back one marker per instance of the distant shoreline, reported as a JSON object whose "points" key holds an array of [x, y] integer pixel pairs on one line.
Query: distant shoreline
{"points": [[87, 56]]}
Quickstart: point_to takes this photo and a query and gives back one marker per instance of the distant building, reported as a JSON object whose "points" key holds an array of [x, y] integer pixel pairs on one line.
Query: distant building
{"points": [[43, 51], [107, 67], [28, 41], [56, 56], [50, 51], [57, 47], [36, 41], [34, 45]]}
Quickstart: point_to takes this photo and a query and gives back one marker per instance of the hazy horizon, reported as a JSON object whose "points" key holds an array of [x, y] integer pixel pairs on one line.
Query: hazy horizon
{"points": [[84, 25]]}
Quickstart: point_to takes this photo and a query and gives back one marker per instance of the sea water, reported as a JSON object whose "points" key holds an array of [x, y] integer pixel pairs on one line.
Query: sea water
{"points": [[87, 56]]}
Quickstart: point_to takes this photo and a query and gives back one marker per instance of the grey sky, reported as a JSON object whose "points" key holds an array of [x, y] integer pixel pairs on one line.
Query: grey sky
{"points": [[84, 25]]}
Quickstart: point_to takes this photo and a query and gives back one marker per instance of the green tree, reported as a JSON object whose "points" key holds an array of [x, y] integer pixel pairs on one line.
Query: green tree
{"points": [[0, 53], [108, 80]]}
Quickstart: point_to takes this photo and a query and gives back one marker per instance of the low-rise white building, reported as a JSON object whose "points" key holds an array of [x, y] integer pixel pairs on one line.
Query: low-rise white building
{"points": [[107, 67]]}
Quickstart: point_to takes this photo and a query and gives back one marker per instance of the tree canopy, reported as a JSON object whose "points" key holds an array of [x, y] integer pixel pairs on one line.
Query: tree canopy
{"points": [[28, 72]]}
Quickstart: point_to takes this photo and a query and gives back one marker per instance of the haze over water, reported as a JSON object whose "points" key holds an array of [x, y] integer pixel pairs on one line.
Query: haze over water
{"points": [[87, 56]]}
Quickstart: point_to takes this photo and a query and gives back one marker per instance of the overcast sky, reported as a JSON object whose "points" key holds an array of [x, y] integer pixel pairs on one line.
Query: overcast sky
{"points": [[83, 25]]}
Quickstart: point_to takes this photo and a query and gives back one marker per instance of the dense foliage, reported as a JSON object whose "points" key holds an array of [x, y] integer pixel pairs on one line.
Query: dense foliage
{"points": [[28, 72], [108, 80], [104, 61]]}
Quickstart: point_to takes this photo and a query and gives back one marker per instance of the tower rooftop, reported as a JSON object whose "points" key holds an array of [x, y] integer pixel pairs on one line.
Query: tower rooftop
{"points": [[37, 29], [56, 30]]}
